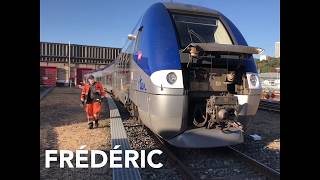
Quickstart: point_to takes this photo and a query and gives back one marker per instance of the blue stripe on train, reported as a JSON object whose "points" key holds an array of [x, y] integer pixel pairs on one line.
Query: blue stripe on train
{"points": [[158, 43]]}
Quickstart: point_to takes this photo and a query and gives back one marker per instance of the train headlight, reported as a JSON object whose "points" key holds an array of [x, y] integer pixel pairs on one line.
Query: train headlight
{"points": [[253, 79], [171, 78]]}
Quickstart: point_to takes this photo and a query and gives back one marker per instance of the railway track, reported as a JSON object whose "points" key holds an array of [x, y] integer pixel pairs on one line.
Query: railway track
{"points": [[269, 105], [262, 168], [184, 170], [189, 174]]}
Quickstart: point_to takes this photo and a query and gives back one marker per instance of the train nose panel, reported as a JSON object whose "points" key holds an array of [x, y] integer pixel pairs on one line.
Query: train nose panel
{"points": [[205, 138]]}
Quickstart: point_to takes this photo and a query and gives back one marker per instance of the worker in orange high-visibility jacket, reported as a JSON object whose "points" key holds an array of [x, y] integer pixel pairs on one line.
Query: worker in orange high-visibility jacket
{"points": [[91, 96]]}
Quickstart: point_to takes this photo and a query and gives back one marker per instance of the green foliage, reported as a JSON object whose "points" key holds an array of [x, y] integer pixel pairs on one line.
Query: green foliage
{"points": [[268, 65]]}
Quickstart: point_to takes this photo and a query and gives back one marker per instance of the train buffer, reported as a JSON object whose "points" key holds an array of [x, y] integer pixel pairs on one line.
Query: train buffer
{"points": [[119, 137]]}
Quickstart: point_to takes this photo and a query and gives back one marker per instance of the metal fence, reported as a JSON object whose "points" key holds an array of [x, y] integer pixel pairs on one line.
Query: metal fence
{"points": [[270, 81]]}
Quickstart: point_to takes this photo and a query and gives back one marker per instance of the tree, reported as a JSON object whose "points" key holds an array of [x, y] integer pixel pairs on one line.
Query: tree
{"points": [[268, 65]]}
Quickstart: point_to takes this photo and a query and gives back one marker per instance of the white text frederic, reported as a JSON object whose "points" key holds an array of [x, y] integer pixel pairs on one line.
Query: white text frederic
{"points": [[116, 158]]}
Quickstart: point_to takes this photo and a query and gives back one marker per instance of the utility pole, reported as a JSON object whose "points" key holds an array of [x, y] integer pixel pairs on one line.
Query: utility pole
{"points": [[69, 66]]}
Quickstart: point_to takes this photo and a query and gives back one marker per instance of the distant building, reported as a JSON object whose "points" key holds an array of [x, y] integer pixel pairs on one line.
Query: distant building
{"points": [[277, 50], [264, 57], [54, 61], [270, 81], [269, 75]]}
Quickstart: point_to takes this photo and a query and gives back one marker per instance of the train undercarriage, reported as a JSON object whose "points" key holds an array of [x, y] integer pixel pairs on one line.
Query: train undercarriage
{"points": [[212, 81]]}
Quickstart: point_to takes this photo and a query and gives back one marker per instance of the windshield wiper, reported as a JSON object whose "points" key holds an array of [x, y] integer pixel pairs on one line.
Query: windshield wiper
{"points": [[191, 32]]}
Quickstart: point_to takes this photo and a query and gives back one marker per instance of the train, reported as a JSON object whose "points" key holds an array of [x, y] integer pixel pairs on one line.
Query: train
{"points": [[187, 73]]}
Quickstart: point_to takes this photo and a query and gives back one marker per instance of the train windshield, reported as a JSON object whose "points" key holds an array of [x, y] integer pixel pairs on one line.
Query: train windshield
{"points": [[197, 29]]}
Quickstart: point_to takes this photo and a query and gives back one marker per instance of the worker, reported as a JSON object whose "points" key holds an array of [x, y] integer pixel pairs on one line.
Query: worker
{"points": [[91, 97]]}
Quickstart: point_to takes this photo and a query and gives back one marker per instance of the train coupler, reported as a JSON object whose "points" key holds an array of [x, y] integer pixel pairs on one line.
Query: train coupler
{"points": [[221, 112]]}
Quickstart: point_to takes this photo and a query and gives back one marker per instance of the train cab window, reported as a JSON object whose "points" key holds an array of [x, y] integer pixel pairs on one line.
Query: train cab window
{"points": [[198, 29]]}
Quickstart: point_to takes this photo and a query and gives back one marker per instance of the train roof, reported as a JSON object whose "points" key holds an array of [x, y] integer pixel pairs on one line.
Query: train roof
{"points": [[193, 9]]}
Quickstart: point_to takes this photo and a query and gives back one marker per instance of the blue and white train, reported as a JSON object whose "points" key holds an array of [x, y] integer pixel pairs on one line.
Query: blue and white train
{"points": [[188, 74]]}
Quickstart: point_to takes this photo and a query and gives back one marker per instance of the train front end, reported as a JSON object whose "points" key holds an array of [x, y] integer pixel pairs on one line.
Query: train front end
{"points": [[203, 83], [223, 94], [219, 77]]}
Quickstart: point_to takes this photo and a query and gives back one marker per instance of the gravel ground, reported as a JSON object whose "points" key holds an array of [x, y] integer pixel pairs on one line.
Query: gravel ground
{"points": [[140, 138], [63, 125], [218, 163], [267, 125]]}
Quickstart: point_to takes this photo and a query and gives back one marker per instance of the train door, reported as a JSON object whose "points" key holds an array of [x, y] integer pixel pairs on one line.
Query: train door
{"points": [[141, 96], [145, 96]]}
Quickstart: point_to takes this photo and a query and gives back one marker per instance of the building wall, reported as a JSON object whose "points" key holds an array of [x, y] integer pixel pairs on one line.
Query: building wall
{"points": [[81, 56], [277, 50], [63, 70], [263, 57]]}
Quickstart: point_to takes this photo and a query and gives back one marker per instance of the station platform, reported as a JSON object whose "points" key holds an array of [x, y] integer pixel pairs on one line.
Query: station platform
{"points": [[119, 137]]}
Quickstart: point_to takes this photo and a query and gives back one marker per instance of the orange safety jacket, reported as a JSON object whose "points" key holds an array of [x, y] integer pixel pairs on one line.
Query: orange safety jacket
{"points": [[85, 90]]}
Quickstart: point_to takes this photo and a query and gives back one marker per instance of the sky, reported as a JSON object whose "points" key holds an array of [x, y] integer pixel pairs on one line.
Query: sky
{"points": [[108, 22]]}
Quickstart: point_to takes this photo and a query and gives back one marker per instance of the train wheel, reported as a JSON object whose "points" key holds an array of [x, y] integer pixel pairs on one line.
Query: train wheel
{"points": [[136, 114], [130, 108], [127, 103]]}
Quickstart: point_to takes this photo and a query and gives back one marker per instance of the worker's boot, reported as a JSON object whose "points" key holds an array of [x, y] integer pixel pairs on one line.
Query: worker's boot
{"points": [[90, 125], [96, 124]]}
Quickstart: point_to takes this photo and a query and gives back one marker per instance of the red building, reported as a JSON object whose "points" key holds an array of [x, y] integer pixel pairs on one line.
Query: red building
{"points": [[54, 61]]}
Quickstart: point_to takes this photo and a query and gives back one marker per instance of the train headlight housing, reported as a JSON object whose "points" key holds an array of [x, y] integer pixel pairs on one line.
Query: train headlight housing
{"points": [[171, 78], [253, 79]]}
